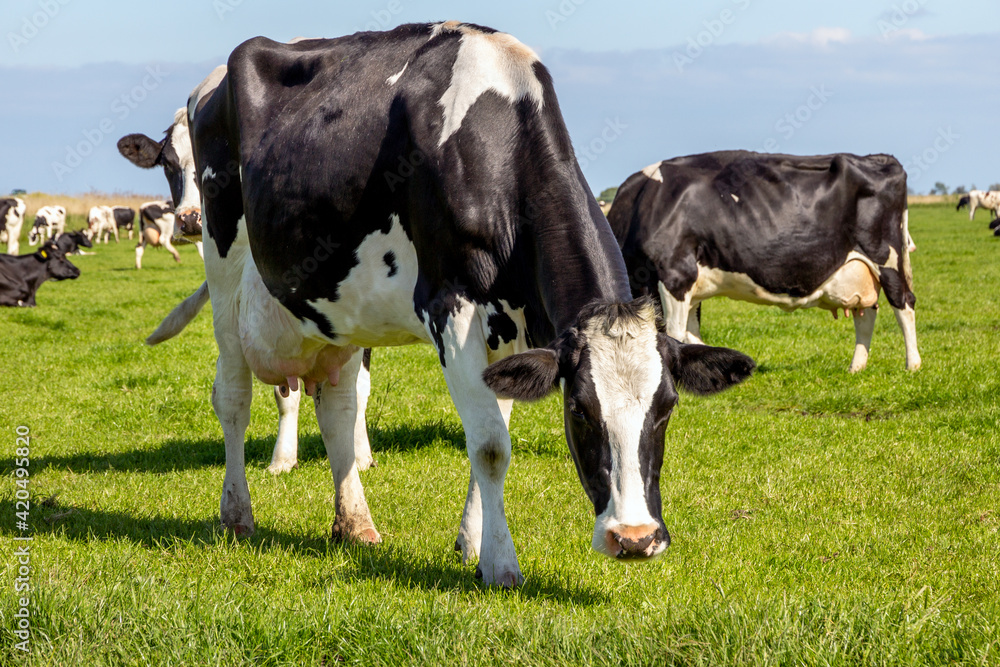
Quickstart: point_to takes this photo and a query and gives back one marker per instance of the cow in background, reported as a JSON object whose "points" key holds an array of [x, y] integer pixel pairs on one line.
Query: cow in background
{"points": [[988, 199], [50, 222], [71, 242], [11, 220], [827, 231], [124, 219], [20, 277]]}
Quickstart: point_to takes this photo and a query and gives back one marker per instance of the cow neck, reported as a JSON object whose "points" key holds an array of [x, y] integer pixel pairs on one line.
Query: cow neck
{"points": [[577, 262]]}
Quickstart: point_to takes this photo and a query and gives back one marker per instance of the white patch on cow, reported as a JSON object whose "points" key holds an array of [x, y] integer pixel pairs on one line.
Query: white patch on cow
{"points": [[395, 77], [735, 198], [204, 89], [374, 308], [487, 62], [653, 172], [626, 369], [911, 246], [677, 315], [893, 260], [180, 139], [207, 174], [13, 224]]}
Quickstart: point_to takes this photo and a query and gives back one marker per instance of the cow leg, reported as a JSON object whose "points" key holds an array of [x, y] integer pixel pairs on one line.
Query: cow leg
{"points": [[906, 318], [231, 396], [362, 447], [864, 327], [336, 411], [462, 346], [172, 250], [286, 447], [694, 321], [139, 249], [114, 228], [470, 532]]}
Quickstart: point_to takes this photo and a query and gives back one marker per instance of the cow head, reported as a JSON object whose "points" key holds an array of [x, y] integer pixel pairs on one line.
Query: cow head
{"points": [[618, 375], [56, 265], [175, 154]]}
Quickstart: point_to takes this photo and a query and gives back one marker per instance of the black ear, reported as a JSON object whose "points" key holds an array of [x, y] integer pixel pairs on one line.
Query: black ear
{"points": [[527, 376], [140, 150], [702, 369]]}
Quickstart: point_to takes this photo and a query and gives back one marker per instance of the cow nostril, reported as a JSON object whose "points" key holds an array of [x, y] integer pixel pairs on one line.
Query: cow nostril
{"points": [[633, 542]]}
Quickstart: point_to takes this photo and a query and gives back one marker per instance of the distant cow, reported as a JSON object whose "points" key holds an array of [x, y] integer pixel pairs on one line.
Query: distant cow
{"points": [[101, 223], [71, 242], [157, 222], [995, 226], [795, 232], [50, 222], [11, 220], [124, 219], [20, 277], [990, 200]]}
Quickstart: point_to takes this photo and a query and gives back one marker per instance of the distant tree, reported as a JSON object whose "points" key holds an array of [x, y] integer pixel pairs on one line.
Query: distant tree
{"points": [[608, 194], [995, 187], [939, 189], [910, 190], [960, 190]]}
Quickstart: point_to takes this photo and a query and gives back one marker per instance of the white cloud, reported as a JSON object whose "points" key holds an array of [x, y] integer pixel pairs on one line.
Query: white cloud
{"points": [[820, 37]]}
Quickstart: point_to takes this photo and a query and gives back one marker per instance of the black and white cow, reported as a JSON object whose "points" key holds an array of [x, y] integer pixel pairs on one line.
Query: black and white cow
{"points": [[71, 242], [101, 224], [20, 277], [419, 185], [989, 200], [50, 222], [124, 219], [826, 231], [11, 220]]}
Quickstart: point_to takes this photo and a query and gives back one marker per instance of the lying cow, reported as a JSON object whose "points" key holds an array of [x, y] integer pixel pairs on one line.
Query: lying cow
{"points": [[20, 277], [488, 246], [71, 242], [11, 220], [50, 222], [796, 232], [995, 226], [989, 200]]}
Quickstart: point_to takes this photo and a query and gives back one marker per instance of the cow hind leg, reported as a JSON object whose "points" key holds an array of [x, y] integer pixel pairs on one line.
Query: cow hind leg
{"points": [[462, 345], [864, 327], [286, 447], [139, 250], [906, 317], [362, 446], [336, 412], [231, 396]]}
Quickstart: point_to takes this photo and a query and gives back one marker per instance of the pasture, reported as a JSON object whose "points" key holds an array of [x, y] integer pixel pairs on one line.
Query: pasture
{"points": [[816, 517]]}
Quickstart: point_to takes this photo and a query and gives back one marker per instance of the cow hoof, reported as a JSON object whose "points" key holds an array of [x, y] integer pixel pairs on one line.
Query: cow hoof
{"points": [[365, 462], [343, 533], [283, 465], [241, 530]]}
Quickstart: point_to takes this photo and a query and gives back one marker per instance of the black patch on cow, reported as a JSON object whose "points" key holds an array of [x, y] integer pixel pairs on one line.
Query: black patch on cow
{"points": [[40, 221], [366, 359], [390, 260], [501, 327], [6, 205], [124, 216]]}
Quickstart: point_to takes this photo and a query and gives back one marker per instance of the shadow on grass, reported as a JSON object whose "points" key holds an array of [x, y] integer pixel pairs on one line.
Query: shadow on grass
{"points": [[383, 562], [176, 455]]}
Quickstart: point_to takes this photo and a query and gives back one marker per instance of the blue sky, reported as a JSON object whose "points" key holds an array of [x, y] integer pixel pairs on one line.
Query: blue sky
{"points": [[637, 81]]}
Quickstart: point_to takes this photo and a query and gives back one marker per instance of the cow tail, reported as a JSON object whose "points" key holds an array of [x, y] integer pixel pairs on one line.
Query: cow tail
{"points": [[180, 316]]}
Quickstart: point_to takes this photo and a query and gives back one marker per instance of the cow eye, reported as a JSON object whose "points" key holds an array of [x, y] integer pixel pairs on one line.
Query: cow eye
{"points": [[577, 414]]}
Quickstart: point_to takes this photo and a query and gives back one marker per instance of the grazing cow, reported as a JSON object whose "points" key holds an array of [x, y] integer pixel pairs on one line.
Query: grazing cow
{"points": [[50, 222], [11, 220], [101, 224], [71, 242], [989, 200], [795, 232], [20, 277], [419, 185], [124, 219], [157, 222]]}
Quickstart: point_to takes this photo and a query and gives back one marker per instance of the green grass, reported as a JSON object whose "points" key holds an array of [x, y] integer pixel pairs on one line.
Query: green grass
{"points": [[818, 518]]}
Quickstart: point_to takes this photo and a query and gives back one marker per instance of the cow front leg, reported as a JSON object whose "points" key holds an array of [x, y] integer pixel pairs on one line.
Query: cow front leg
{"points": [[470, 532], [172, 250], [139, 250], [906, 318], [864, 327], [231, 396], [462, 346], [677, 315], [286, 447], [362, 446], [336, 412]]}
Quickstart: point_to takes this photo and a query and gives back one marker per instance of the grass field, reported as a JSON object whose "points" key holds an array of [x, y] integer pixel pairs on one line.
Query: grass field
{"points": [[818, 518]]}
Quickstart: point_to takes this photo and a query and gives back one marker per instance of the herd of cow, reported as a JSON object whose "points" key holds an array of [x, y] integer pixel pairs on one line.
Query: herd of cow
{"points": [[419, 185]]}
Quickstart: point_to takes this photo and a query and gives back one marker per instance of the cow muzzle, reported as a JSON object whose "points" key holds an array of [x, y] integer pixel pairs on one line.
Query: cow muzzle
{"points": [[188, 222], [633, 542]]}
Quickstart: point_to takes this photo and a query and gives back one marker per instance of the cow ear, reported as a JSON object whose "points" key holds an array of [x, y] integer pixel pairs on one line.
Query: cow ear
{"points": [[140, 150], [527, 376], [702, 369]]}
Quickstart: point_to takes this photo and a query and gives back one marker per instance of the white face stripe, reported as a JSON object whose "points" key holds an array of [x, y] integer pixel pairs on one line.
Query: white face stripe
{"points": [[626, 369], [180, 140], [496, 62]]}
